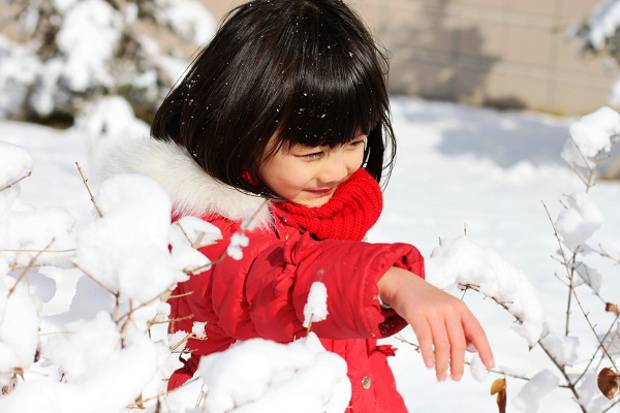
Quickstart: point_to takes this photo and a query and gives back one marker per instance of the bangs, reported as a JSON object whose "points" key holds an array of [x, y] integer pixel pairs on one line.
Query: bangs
{"points": [[334, 92]]}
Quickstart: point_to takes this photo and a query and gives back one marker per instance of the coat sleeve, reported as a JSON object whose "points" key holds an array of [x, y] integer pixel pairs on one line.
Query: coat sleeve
{"points": [[267, 295]]}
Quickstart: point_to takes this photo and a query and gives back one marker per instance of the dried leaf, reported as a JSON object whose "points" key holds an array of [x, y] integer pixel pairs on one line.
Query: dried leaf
{"points": [[608, 382], [612, 308], [139, 402], [499, 387]]}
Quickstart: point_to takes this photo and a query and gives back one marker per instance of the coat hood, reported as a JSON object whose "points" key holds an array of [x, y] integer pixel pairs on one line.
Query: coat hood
{"points": [[191, 189]]}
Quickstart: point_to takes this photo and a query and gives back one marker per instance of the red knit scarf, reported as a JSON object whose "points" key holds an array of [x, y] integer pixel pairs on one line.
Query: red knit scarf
{"points": [[348, 215]]}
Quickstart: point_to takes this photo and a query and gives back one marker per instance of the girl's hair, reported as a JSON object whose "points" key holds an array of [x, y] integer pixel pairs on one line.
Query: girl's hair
{"points": [[307, 69]]}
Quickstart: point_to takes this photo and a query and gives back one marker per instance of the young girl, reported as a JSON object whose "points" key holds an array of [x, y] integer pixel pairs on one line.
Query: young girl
{"points": [[288, 104]]}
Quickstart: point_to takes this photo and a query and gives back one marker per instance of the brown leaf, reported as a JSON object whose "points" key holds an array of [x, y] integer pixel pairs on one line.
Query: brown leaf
{"points": [[139, 402], [499, 387], [608, 382], [612, 308]]}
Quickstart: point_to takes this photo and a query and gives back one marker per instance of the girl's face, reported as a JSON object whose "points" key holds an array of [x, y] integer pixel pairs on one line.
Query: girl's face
{"points": [[310, 175]]}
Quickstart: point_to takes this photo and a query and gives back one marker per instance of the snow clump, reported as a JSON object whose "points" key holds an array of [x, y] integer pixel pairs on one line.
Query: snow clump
{"points": [[579, 220], [591, 136], [316, 307], [460, 262], [539, 386], [259, 375]]}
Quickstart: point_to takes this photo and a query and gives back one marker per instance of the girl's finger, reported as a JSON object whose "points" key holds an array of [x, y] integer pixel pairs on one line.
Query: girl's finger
{"points": [[457, 346], [475, 333], [442, 346], [425, 338]]}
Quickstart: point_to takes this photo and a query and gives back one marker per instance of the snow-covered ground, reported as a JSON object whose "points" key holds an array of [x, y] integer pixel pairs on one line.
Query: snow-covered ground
{"points": [[457, 167]]}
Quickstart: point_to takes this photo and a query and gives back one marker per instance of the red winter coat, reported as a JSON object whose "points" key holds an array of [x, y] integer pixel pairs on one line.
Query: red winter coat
{"points": [[264, 293]]}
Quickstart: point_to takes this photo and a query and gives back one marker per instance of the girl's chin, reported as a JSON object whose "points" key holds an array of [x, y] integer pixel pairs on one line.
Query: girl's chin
{"points": [[313, 200]]}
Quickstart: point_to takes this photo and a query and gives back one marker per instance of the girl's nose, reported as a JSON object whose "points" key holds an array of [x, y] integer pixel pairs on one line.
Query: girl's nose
{"points": [[334, 171]]}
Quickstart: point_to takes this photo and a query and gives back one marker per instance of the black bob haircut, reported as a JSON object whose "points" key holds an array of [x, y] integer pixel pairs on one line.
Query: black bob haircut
{"points": [[307, 69]]}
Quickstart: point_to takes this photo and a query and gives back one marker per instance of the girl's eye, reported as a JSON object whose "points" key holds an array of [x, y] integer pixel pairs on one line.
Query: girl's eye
{"points": [[312, 156]]}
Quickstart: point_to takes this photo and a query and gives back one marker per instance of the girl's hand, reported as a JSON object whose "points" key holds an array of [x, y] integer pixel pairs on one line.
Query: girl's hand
{"points": [[438, 319]]}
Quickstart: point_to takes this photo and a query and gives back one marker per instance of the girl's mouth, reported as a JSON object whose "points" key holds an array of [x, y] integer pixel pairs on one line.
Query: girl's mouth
{"points": [[321, 192]]}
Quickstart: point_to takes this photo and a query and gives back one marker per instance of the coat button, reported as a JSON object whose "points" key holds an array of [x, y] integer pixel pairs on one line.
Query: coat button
{"points": [[285, 237], [366, 382]]}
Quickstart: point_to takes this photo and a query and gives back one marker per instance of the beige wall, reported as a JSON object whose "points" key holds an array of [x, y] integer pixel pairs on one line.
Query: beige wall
{"points": [[506, 53]]}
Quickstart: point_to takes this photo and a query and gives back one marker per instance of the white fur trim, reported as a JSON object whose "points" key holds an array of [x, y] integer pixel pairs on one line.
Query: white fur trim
{"points": [[192, 190]]}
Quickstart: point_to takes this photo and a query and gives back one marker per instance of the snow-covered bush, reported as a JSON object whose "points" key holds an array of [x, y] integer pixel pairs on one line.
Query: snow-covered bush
{"points": [[79, 50], [121, 358], [463, 264]]}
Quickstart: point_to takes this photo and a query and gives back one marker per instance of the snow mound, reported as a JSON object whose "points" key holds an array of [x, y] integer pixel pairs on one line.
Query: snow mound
{"points": [[263, 376]]}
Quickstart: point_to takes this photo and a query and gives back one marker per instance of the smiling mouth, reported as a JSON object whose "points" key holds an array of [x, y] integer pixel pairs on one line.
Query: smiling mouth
{"points": [[320, 192]]}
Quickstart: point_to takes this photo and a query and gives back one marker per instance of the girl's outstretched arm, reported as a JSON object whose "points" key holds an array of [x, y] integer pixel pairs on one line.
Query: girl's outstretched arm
{"points": [[264, 294], [438, 319]]}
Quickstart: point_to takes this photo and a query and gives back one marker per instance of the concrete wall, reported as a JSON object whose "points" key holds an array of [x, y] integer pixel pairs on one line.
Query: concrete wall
{"points": [[503, 53]]}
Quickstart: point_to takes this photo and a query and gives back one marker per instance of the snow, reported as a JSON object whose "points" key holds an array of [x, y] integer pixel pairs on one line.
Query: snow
{"points": [[461, 262], [477, 369], [562, 348], [263, 376], [316, 307], [88, 37], [457, 167], [579, 220], [18, 69], [16, 163], [19, 326], [198, 329], [528, 399], [189, 18], [124, 248], [604, 22], [590, 136], [65, 281], [235, 248]]}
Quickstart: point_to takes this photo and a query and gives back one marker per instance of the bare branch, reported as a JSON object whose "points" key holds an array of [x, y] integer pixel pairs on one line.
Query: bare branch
{"points": [[92, 197], [611, 359], [39, 251], [504, 373], [28, 267], [246, 224], [597, 349], [11, 184], [99, 283]]}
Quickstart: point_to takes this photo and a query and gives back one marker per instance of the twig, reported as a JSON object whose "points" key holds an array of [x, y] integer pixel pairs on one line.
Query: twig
{"points": [[92, 277], [611, 405], [189, 241], [205, 267], [143, 304], [597, 349], [605, 254], [570, 385], [40, 251], [28, 267], [246, 224], [611, 359], [590, 178], [92, 197], [168, 320], [513, 375], [182, 341], [11, 184], [179, 295], [570, 269], [161, 394], [570, 289]]}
